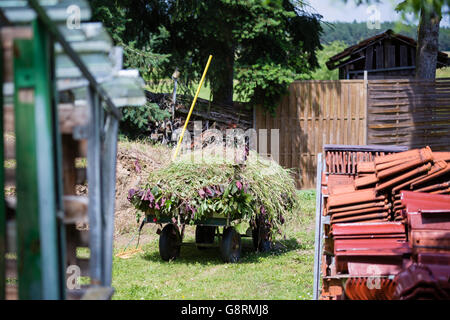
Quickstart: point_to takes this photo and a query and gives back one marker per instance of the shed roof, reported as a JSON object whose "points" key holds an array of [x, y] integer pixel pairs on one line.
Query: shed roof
{"points": [[332, 63]]}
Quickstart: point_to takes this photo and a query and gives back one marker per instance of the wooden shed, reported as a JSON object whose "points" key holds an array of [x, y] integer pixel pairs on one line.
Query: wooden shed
{"points": [[387, 55]]}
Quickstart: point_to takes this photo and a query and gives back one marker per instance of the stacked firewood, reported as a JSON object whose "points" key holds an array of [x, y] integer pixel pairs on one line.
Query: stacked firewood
{"points": [[374, 194], [212, 116]]}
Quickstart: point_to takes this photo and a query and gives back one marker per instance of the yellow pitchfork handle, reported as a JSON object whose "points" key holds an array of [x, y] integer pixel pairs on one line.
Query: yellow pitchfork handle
{"points": [[192, 108]]}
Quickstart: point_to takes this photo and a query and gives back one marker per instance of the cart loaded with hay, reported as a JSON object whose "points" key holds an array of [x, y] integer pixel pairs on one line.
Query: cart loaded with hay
{"points": [[216, 195]]}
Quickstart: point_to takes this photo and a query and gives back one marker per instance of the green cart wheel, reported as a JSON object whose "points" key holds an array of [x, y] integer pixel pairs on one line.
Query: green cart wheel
{"points": [[204, 235], [230, 246], [169, 243]]}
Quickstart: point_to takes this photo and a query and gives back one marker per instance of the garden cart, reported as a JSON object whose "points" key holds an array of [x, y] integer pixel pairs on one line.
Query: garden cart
{"points": [[171, 237]]}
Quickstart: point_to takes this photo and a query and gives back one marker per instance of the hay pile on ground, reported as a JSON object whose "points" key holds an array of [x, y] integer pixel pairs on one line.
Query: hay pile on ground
{"points": [[257, 190], [135, 160]]}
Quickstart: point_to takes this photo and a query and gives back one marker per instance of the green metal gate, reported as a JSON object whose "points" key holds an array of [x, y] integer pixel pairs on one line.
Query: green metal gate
{"points": [[56, 62]]}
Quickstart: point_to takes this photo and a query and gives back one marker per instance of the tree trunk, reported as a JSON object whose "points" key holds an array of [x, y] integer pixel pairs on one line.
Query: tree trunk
{"points": [[427, 45], [223, 91]]}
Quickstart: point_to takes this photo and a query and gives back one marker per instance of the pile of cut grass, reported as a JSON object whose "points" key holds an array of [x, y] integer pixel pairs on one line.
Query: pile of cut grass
{"points": [[198, 186]]}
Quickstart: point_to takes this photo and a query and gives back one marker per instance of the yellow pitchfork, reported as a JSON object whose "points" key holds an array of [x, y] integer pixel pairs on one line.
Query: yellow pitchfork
{"points": [[125, 254], [192, 108]]}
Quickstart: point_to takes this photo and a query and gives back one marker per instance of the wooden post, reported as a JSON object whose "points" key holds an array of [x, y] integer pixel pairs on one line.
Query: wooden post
{"points": [[366, 114]]}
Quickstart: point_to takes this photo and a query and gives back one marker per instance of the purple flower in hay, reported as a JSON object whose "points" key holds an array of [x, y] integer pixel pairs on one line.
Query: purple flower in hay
{"points": [[148, 196], [201, 193], [239, 185], [263, 210], [218, 190], [137, 167], [151, 197], [190, 209], [157, 207], [163, 200], [209, 192], [131, 193], [281, 218]]}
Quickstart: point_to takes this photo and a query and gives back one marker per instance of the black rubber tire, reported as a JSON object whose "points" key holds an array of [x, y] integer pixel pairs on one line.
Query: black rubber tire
{"points": [[204, 234], [230, 246], [259, 244], [169, 243]]}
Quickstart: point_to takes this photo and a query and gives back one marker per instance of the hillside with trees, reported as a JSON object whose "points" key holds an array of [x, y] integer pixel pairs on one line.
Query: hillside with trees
{"points": [[352, 32], [328, 50]]}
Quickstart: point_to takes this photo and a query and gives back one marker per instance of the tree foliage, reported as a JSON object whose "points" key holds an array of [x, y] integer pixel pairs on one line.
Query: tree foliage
{"points": [[136, 121], [121, 21], [412, 5], [263, 44], [416, 6], [329, 50]]}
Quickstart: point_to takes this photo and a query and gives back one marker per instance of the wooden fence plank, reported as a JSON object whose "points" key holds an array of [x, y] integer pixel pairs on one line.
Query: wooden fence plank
{"points": [[413, 113], [341, 113]]}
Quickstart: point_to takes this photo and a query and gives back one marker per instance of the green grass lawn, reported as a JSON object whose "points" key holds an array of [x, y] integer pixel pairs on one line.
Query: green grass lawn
{"points": [[285, 273], [443, 72]]}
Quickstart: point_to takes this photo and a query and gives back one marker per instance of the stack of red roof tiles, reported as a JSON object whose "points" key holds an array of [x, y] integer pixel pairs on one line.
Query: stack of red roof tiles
{"points": [[428, 226], [389, 217], [374, 194]]}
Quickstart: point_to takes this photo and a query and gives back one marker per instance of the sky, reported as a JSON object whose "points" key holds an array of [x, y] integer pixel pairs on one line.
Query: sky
{"points": [[337, 10]]}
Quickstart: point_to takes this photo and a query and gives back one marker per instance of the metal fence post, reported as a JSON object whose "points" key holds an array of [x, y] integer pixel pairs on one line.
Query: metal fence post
{"points": [[47, 173], [108, 161], [318, 230], [59, 181], [27, 215], [2, 192], [94, 187], [39, 255]]}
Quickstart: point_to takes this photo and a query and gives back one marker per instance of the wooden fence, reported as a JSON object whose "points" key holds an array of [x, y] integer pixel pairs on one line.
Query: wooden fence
{"points": [[410, 113], [315, 113], [354, 112]]}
